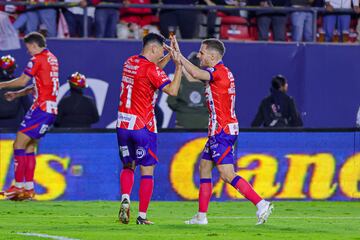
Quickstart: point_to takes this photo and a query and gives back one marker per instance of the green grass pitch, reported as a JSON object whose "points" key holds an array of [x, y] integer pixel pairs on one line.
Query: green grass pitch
{"points": [[227, 220]]}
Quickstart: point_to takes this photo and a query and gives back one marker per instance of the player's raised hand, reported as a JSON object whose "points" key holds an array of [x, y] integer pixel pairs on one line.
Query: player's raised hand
{"points": [[176, 56], [174, 43], [10, 96], [167, 47]]}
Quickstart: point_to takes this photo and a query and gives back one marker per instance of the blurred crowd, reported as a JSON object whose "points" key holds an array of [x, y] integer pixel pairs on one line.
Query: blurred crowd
{"points": [[104, 21]]}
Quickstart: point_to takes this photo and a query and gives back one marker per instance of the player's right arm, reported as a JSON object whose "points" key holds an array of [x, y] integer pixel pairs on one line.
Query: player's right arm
{"points": [[17, 82], [10, 96], [172, 88]]}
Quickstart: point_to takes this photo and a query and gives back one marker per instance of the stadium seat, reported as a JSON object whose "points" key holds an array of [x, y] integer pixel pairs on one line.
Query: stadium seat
{"points": [[234, 28]]}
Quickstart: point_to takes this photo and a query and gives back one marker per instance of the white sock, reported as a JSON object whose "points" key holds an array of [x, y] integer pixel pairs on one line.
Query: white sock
{"points": [[19, 184], [202, 215], [29, 185], [142, 215], [261, 204], [125, 196]]}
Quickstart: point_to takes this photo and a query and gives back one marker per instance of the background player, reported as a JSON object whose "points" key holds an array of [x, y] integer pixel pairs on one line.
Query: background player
{"points": [[223, 129], [136, 125], [43, 69]]}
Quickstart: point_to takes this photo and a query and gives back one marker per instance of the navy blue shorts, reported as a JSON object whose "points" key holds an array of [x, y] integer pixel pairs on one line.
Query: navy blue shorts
{"points": [[137, 145], [219, 148], [36, 123]]}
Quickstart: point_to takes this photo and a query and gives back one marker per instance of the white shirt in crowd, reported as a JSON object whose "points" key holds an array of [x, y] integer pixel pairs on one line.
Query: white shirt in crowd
{"points": [[80, 11], [342, 3]]}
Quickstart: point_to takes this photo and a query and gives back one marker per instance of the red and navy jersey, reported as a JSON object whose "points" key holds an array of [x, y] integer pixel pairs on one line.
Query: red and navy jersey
{"points": [[44, 69], [220, 97], [140, 81]]}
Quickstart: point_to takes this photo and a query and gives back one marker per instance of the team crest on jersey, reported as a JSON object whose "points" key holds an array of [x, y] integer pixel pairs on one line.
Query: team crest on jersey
{"points": [[140, 152]]}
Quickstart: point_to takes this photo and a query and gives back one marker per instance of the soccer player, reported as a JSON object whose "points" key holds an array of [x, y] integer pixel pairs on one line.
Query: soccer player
{"points": [[136, 125], [223, 129], [43, 69]]}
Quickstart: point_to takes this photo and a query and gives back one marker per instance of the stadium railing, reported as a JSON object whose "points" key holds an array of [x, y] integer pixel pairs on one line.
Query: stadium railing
{"points": [[314, 10]]}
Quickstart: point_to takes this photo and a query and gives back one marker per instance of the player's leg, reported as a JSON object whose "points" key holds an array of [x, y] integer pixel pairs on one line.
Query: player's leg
{"points": [[146, 150], [225, 164], [35, 125], [19, 146], [127, 157], [205, 190], [243, 187], [29, 192], [145, 193]]}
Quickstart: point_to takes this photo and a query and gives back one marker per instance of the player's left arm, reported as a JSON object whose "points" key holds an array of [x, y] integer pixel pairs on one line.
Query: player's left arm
{"points": [[188, 76], [194, 71], [17, 82], [10, 96]]}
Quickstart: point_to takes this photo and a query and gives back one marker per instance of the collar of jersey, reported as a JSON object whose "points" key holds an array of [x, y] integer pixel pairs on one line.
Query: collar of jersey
{"points": [[141, 56], [219, 63], [45, 49]]}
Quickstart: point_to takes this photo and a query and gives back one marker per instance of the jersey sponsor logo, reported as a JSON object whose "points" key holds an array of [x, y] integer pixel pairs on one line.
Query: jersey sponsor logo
{"points": [[128, 80], [231, 77], [52, 61], [131, 67], [140, 152]]}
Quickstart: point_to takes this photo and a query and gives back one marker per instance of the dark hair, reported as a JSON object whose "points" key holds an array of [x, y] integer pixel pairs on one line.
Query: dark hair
{"points": [[153, 37], [35, 37], [278, 81], [215, 44]]}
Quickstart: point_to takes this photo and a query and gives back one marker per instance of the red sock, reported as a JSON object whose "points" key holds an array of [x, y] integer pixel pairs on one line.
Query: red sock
{"points": [[205, 193], [126, 180], [245, 189], [30, 167], [146, 190], [20, 164]]}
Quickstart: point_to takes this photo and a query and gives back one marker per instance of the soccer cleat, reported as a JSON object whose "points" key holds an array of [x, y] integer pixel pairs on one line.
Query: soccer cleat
{"points": [[124, 212], [143, 221], [264, 212], [197, 220], [13, 193], [27, 195]]}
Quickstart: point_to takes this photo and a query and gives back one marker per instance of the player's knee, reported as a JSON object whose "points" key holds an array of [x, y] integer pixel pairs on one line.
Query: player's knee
{"points": [[18, 145], [226, 177]]}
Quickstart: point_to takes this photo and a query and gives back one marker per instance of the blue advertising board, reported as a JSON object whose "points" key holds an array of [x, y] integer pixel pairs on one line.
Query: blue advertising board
{"points": [[280, 165]]}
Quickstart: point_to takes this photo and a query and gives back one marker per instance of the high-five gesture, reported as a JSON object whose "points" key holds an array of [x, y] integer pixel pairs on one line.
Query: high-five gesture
{"points": [[174, 43]]}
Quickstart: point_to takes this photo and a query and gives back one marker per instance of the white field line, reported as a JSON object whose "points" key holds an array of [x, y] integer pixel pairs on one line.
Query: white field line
{"points": [[289, 217], [211, 217], [40, 235]]}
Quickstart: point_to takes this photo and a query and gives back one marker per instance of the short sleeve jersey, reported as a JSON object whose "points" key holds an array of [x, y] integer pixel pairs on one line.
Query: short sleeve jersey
{"points": [[220, 97], [43, 68], [140, 82]]}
